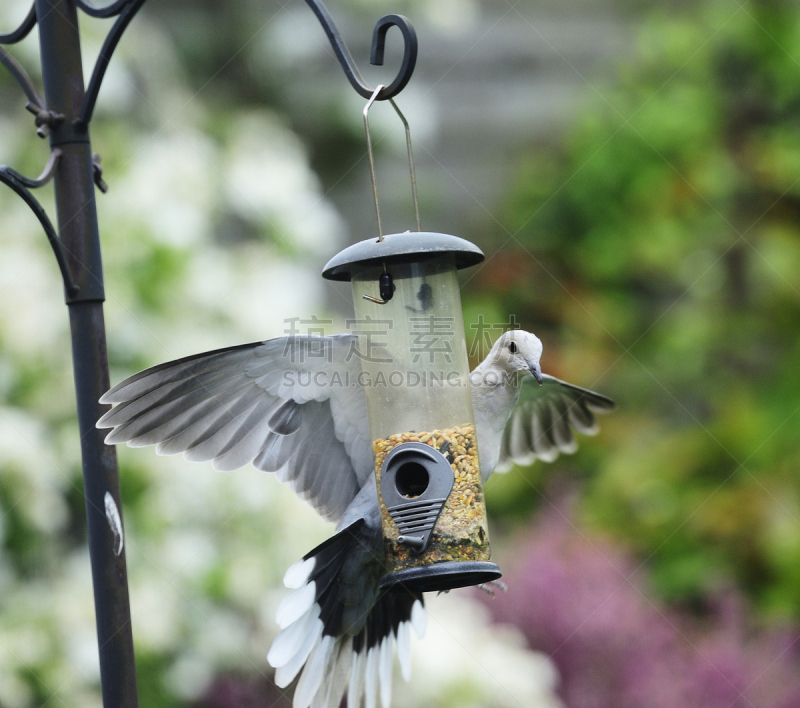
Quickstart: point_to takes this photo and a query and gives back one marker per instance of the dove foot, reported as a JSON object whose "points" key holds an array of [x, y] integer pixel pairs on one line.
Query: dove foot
{"points": [[489, 587]]}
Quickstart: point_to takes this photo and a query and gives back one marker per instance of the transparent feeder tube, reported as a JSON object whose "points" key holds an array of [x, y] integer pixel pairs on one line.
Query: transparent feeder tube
{"points": [[415, 373]]}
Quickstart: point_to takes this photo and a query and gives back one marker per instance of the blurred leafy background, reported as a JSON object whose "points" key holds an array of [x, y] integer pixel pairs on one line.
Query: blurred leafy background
{"points": [[631, 170]]}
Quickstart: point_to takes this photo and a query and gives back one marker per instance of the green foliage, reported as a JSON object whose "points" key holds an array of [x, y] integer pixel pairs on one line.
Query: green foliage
{"points": [[665, 232], [150, 684]]}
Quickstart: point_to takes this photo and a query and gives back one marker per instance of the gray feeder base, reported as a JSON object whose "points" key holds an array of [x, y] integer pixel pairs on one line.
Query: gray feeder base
{"points": [[441, 576]]}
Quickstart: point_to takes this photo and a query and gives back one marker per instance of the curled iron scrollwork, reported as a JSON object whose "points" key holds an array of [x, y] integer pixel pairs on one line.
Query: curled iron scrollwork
{"points": [[127, 11], [22, 78], [17, 183], [115, 8], [376, 56], [23, 30]]}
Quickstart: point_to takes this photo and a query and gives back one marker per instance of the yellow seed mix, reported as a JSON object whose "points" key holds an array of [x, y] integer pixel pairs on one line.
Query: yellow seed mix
{"points": [[460, 532]]}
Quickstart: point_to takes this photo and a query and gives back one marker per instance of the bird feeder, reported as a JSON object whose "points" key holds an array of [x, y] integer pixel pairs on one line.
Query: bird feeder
{"points": [[415, 374]]}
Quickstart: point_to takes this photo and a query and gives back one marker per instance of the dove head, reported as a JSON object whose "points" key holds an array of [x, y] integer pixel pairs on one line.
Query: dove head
{"points": [[518, 351]]}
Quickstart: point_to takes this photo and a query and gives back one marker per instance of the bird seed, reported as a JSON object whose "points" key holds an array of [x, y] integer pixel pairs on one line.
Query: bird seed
{"points": [[460, 533]]}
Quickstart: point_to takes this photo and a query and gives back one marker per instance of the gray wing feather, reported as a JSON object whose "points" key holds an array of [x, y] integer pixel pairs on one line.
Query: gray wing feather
{"points": [[540, 426], [247, 440], [192, 368], [274, 456], [287, 419], [562, 433], [251, 403], [164, 413]]}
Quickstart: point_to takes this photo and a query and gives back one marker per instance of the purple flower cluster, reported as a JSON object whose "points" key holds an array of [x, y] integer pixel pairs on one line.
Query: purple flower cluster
{"points": [[238, 691], [581, 600]]}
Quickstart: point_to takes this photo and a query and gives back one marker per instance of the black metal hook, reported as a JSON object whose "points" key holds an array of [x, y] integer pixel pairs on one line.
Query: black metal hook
{"points": [[376, 56], [108, 11], [126, 9], [22, 78], [42, 179], [14, 180], [23, 30]]}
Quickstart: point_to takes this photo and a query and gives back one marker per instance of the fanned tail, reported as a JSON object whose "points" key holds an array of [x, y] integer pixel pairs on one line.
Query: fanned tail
{"points": [[338, 629]]}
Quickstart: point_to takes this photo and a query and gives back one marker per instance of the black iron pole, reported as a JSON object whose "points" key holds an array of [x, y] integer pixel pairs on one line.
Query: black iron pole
{"points": [[62, 76]]}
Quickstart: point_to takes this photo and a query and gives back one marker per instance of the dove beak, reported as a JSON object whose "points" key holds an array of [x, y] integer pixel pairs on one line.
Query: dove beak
{"points": [[536, 371]]}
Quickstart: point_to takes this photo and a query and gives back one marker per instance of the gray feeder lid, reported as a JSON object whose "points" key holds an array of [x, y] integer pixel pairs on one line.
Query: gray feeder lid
{"points": [[401, 248]]}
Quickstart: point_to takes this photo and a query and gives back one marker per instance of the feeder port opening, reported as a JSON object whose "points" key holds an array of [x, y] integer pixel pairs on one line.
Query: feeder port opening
{"points": [[412, 479]]}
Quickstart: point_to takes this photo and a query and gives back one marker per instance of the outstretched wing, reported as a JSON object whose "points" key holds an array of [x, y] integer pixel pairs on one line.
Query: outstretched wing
{"points": [[291, 405], [541, 423]]}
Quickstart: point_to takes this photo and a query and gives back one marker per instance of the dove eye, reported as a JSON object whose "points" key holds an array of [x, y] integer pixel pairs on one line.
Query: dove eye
{"points": [[512, 347]]}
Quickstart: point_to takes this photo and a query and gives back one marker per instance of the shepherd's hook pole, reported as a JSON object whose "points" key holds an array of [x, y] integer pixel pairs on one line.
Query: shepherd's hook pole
{"points": [[62, 77]]}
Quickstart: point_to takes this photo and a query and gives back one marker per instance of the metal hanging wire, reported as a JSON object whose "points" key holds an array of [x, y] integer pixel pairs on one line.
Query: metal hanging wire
{"points": [[371, 157]]}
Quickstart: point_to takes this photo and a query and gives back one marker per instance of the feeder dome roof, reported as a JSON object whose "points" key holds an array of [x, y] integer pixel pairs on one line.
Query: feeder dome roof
{"points": [[401, 248]]}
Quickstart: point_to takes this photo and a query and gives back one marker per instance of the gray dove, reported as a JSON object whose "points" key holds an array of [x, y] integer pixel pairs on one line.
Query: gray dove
{"points": [[294, 406]]}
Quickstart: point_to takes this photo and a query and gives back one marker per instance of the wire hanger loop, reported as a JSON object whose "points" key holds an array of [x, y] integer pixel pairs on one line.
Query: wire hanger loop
{"points": [[371, 158]]}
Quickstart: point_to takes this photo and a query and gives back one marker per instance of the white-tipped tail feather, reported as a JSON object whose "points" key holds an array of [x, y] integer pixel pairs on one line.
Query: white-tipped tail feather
{"points": [[356, 687], [370, 678], [297, 574], [332, 664], [419, 620], [291, 649], [385, 670], [315, 671], [404, 650], [327, 645], [295, 605]]}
